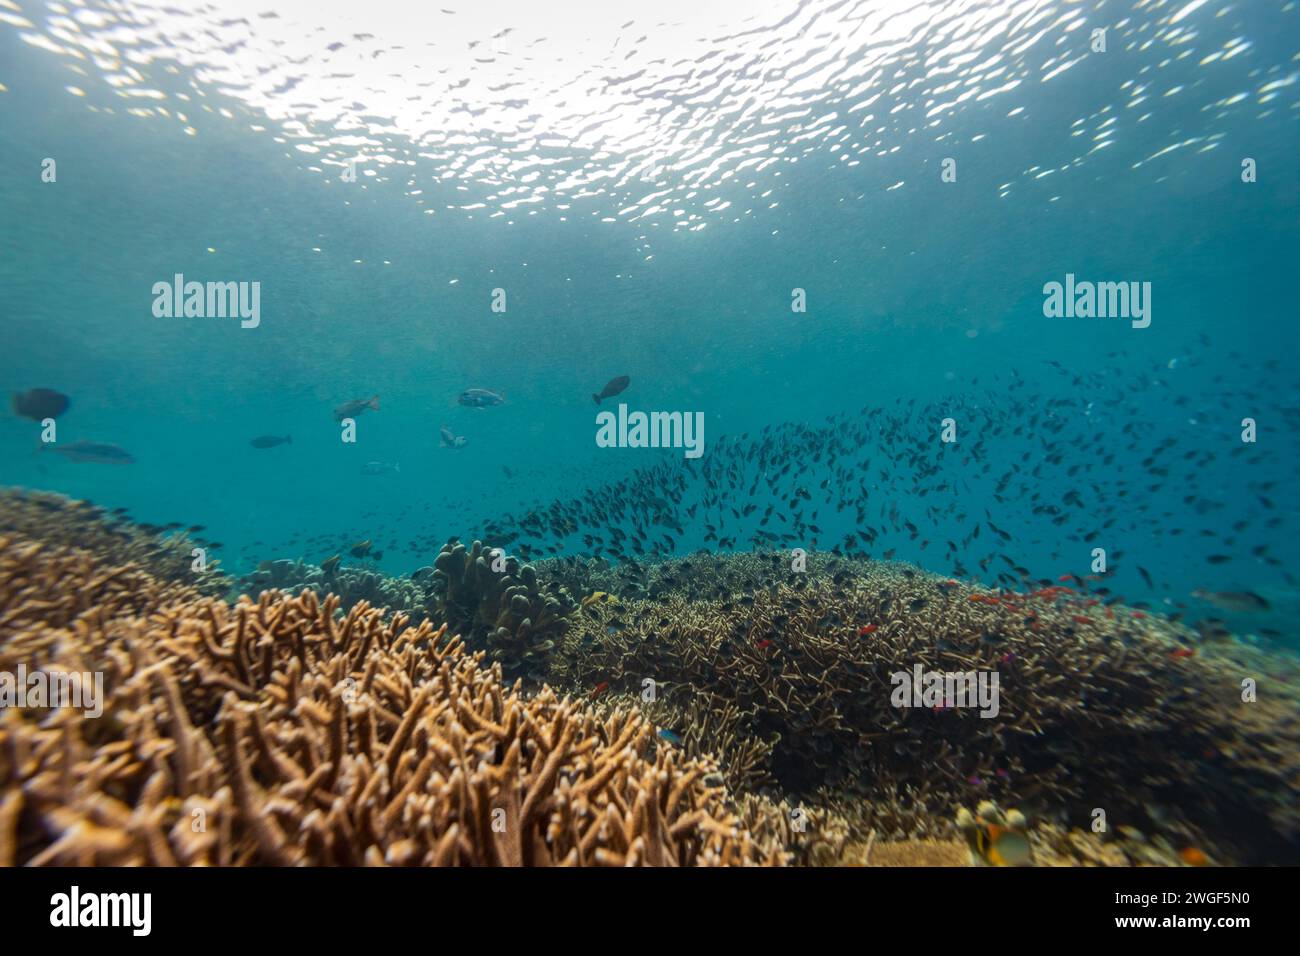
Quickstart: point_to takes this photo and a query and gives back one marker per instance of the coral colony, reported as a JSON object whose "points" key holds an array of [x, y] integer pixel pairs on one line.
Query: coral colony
{"points": [[488, 711]]}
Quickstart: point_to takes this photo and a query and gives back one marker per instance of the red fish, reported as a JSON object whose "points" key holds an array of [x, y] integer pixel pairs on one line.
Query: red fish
{"points": [[866, 629], [764, 644], [1080, 620], [600, 688], [1182, 653]]}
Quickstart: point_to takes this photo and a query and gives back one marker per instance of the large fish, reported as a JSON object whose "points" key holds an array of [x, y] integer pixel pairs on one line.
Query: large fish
{"points": [[355, 407], [94, 452], [480, 398], [613, 387], [1242, 601], [39, 404]]}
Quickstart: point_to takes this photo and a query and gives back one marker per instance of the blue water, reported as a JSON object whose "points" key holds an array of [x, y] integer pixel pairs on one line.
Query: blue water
{"points": [[793, 146]]}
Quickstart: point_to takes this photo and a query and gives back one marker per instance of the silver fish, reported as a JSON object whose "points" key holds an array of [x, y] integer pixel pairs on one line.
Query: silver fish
{"points": [[95, 452], [355, 407], [1241, 601]]}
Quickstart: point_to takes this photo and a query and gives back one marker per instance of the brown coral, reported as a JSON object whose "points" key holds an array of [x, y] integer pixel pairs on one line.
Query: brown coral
{"points": [[115, 541], [275, 732], [1097, 708]]}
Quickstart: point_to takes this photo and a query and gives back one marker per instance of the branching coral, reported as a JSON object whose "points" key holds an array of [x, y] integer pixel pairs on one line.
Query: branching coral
{"points": [[275, 732], [1099, 707], [55, 520]]}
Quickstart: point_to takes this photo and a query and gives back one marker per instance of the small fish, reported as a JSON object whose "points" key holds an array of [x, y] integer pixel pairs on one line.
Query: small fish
{"points": [[381, 468], [355, 407], [764, 644], [671, 736], [39, 404], [480, 398], [1183, 653], [613, 387], [1002, 846], [331, 564], [1193, 857], [94, 452], [599, 597], [866, 629], [450, 439], [600, 688], [270, 441], [360, 549]]}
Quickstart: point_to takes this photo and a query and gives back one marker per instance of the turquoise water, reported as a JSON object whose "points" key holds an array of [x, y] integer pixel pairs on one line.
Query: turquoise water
{"points": [[648, 187]]}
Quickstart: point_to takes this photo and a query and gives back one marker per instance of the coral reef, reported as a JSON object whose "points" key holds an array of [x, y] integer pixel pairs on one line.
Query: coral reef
{"points": [[705, 710], [165, 554], [351, 585], [1100, 706], [276, 732]]}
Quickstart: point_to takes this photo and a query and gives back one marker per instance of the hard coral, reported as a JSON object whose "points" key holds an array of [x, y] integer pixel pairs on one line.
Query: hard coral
{"points": [[499, 605], [275, 732]]}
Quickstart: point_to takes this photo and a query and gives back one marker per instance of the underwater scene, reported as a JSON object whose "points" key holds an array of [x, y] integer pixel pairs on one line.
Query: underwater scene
{"points": [[716, 433]]}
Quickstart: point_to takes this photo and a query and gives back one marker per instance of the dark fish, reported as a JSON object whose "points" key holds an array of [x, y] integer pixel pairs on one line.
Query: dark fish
{"points": [[612, 388], [39, 404], [270, 441], [94, 452], [355, 407], [331, 564], [360, 549], [480, 398]]}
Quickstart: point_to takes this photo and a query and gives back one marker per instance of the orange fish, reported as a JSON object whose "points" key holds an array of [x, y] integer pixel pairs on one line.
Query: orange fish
{"points": [[1193, 857], [1183, 652], [866, 629]]}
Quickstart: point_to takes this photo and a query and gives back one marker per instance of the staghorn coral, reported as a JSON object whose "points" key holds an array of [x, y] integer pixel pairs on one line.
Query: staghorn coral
{"points": [[504, 609], [56, 520], [274, 732], [1100, 706], [777, 684], [48, 588]]}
